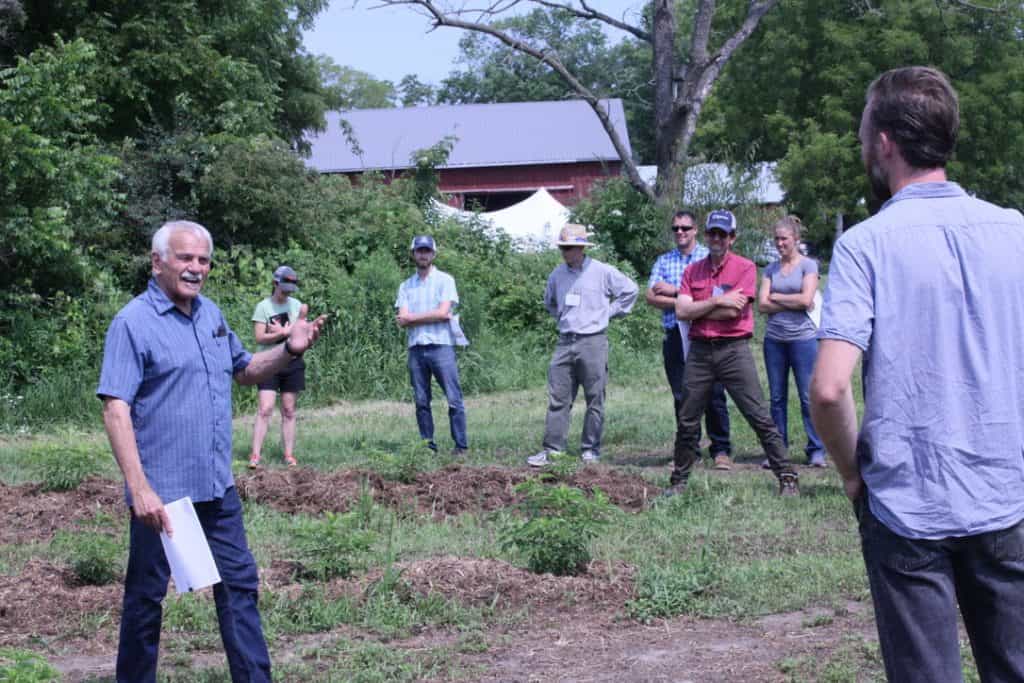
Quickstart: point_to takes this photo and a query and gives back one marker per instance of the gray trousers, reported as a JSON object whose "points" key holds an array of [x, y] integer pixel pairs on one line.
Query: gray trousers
{"points": [[577, 361]]}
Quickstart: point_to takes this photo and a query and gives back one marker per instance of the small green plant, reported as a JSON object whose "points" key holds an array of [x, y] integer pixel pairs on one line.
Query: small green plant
{"points": [[331, 546], [21, 666], [560, 522], [670, 591], [94, 558], [403, 464], [63, 467], [561, 467]]}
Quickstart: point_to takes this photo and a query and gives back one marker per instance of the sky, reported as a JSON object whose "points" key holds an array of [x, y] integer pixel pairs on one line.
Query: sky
{"points": [[390, 42]]}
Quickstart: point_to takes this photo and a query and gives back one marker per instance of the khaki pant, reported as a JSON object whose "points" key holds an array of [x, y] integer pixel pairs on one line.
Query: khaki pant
{"points": [[578, 361], [730, 362]]}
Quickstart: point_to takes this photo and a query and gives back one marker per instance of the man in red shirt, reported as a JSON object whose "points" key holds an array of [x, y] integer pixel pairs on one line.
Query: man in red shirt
{"points": [[715, 296]]}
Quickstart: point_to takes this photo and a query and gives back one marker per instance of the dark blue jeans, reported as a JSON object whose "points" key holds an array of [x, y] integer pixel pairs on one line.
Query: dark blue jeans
{"points": [[716, 416], [779, 358], [916, 586], [437, 360], [145, 585]]}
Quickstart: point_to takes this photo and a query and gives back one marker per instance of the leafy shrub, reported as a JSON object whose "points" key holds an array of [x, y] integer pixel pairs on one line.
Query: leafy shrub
{"points": [[330, 546], [94, 558], [22, 666], [560, 522], [402, 464], [671, 591], [64, 467]]}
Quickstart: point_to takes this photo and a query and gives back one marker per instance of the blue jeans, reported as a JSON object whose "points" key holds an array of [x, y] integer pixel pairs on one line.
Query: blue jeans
{"points": [[437, 360], [916, 586], [779, 357], [145, 585], [716, 416]]}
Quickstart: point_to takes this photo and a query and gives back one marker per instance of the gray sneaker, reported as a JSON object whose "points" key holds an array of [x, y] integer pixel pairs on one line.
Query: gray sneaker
{"points": [[541, 459], [588, 456]]}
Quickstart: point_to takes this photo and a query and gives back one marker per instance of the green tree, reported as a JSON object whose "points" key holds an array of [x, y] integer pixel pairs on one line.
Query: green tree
{"points": [[356, 89], [810, 65], [240, 65], [412, 92]]}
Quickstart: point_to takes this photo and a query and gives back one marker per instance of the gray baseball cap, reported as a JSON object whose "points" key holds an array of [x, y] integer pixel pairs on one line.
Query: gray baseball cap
{"points": [[286, 278]]}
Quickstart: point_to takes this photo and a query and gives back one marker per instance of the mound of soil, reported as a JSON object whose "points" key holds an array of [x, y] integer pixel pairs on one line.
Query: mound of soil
{"points": [[29, 514], [40, 601], [500, 584], [449, 491]]}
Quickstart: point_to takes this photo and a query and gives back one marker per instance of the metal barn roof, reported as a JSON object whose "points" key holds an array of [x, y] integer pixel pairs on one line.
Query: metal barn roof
{"points": [[502, 134]]}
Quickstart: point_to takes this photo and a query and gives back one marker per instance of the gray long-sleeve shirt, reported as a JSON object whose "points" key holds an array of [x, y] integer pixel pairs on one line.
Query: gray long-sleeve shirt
{"points": [[584, 300]]}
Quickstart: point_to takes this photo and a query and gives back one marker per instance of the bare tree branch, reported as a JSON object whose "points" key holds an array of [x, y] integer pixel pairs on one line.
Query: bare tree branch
{"points": [[440, 18], [1001, 9], [590, 13], [680, 90]]}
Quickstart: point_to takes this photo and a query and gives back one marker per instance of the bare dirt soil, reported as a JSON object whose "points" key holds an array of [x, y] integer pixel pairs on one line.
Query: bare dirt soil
{"points": [[573, 628], [451, 490]]}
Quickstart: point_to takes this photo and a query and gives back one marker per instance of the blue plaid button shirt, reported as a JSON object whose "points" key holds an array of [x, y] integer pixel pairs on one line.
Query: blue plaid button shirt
{"points": [[669, 268], [175, 373]]}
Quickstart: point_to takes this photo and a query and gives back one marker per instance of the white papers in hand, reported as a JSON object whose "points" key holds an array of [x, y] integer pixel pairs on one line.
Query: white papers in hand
{"points": [[457, 334], [188, 553], [684, 337], [815, 313]]}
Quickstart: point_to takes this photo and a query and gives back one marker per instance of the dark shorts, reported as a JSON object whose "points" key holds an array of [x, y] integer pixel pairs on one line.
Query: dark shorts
{"points": [[291, 380]]}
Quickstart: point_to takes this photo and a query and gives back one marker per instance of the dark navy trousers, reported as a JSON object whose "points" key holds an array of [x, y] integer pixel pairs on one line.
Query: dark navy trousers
{"points": [[145, 586]]}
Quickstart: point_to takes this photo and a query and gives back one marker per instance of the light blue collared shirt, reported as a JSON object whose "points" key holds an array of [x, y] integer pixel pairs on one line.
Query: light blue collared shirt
{"points": [[175, 372], [931, 289], [420, 295]]}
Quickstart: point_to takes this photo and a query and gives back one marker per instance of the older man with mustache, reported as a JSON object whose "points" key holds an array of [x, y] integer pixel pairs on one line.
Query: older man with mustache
{"points": [[168, 362]]}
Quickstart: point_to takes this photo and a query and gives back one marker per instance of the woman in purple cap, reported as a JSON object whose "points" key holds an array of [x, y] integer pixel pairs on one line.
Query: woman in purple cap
{"points": [[272, 321]]}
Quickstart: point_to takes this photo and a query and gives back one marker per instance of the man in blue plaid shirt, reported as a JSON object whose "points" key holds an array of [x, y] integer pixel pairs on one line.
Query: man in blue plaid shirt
{"points": [[666, 275]]}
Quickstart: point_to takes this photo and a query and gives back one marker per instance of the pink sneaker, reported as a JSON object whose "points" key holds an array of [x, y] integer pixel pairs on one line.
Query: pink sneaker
{"points": [[289, 460], [254, 461]]}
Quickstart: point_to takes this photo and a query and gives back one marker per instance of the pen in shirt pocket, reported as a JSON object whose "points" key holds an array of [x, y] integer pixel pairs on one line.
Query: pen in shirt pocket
{"points": [[221, 331]]}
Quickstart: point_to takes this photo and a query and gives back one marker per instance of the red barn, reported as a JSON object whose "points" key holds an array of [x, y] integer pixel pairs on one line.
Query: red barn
{"points": [[502, 153]]}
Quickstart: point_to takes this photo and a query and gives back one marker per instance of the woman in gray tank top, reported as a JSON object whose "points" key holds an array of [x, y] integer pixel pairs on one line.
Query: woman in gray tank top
{"points": [[790, 341]]}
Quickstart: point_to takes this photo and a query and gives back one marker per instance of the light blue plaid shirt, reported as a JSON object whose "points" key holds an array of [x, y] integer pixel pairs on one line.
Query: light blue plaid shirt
{"points": [[175, 373], [669, 268], [422, 295]]}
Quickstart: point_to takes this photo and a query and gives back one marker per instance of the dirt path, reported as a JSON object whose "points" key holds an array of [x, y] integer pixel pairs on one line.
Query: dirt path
{"points": [[576, 647]]}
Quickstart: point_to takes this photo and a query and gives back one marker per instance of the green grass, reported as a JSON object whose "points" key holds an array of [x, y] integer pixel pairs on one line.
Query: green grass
{"points": [[729, 548]]}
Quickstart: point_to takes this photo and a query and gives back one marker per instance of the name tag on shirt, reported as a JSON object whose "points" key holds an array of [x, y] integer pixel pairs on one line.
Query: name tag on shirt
{"points": [[572, 299]]}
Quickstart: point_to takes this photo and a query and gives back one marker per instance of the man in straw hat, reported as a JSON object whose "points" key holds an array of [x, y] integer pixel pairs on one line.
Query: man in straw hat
{"points": [[582, 295]]}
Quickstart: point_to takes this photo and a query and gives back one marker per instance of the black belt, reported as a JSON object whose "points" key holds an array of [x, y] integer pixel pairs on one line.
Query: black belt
{"points": [[719, 340], [573, 336]]}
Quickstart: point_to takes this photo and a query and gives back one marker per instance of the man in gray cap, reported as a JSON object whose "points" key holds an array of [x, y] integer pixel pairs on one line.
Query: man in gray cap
{"points": [[425, 304], [582, 294]]}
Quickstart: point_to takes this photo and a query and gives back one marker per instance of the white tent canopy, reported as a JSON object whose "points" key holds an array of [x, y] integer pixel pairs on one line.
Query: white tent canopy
{"points": [[533, 222]]}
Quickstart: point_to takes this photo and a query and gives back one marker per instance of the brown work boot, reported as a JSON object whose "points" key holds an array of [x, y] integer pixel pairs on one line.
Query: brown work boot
{"points": [[723, 462], [789, 485]]}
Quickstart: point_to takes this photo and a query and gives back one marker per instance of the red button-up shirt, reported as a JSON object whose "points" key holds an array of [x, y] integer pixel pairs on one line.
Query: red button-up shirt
{"points": [[702, 280]]}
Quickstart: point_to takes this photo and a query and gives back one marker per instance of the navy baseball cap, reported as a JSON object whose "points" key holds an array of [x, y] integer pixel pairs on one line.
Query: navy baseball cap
{"points": [[423, 242], [721, 220]]}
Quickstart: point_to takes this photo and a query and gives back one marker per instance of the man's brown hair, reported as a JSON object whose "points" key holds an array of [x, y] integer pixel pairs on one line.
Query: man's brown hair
{"points": [[917, 107]]}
